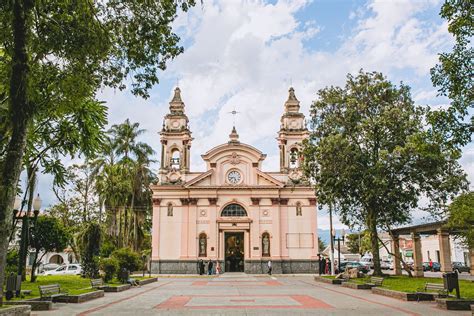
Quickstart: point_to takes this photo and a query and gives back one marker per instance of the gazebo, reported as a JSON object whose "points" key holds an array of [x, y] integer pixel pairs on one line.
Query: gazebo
{"points": [[436, 228]]}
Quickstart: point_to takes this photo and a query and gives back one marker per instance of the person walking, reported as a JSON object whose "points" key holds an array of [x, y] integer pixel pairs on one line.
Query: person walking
{"points": [[328, 265], [209, 267], [269, 265], [431, 265], [218, 267]]}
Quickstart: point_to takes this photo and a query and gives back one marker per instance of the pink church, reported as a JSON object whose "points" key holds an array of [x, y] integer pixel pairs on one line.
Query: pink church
{"points": [[233, 212]]}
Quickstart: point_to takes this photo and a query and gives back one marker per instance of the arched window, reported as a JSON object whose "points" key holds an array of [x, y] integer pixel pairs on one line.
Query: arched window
{"points": [[202, 245], [233, 210], [175, 161], [294, 156], [265, 245]]}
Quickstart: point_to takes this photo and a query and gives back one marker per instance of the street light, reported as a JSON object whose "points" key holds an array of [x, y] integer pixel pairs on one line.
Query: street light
{"points": [[25, 229], [338, 239]]}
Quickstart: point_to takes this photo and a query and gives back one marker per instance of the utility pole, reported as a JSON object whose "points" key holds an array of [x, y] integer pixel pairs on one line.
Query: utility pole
{"points": [[331, 255]]}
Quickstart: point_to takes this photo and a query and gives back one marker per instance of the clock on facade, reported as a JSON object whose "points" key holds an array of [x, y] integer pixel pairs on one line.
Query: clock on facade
{"points": [[234, 177]]}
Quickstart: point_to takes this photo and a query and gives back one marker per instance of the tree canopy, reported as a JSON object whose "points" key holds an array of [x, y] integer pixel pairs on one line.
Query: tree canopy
{"points": [[370, 155], [461, 218]]}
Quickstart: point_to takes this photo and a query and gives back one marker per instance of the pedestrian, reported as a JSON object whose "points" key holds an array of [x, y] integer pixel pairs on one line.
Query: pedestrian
{"points": [[321, 264], [218, 267], [269, 265], [201, 267], [209, 267], [328, 266], [431, 265]]}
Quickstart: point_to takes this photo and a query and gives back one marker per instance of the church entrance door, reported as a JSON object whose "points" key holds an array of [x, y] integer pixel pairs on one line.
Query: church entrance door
{"points": [[234, 251]]}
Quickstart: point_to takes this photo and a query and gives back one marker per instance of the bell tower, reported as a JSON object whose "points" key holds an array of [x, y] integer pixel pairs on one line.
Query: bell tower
{"points": [[175, 142], [290, 137]]}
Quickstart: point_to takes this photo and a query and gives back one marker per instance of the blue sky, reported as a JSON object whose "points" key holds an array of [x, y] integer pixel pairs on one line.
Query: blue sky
{"points": [[245, 54]]}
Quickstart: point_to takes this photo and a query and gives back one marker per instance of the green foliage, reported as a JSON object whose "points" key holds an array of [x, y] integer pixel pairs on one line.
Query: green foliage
{"points": [[461, 218], [48, 235], [110, 266], [90, 239], [370, 156], [352, 242], [12, 261], [127, 259], [454, 76], [321, 244], [106, 248]]}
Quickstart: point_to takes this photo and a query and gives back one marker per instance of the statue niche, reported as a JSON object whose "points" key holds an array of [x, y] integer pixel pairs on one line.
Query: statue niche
{"points": [[202, 245], [265, 245], [170, 209]]}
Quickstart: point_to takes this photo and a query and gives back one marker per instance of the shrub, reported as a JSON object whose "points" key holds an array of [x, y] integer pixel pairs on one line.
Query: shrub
{"points": [[127, 259], [106, 248], [12, 262], [110, 266]]}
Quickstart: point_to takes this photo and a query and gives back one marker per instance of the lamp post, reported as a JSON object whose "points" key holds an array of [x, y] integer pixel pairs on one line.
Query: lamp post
{"points": [[331, 248], [338, 239], [25, 230]]}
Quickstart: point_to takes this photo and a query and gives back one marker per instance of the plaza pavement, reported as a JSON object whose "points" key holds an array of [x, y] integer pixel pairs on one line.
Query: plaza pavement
{"points": [[241, 294]]}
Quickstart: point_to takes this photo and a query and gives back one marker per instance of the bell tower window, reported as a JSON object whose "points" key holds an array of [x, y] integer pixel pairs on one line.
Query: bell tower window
{"points": [[175, 159], [294, 156]]}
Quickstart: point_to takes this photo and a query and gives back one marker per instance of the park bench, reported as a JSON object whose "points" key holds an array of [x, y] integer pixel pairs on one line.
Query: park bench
{"points": [[51, 291], [435, 287], [375, 281], [97, 283]]}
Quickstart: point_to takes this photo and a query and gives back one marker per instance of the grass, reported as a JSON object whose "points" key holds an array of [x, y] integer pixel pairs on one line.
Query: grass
{"points": [[74, 284], [411, 285]]}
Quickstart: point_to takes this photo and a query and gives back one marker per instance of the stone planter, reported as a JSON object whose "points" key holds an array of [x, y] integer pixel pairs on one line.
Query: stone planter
{"points": [[80, 298], [19, 310], [147, 281], [115, 289], [357, 286], [454, 304], [403, 296], [35, 304], [329, 281]]}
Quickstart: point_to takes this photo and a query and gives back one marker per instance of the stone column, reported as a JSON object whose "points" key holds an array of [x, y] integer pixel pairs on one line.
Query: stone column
{"points": [[396, 258], [444, 251], [417, 256]]}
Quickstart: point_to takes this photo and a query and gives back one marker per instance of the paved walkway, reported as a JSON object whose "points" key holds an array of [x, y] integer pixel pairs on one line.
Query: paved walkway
{"points": [[241, 294]]}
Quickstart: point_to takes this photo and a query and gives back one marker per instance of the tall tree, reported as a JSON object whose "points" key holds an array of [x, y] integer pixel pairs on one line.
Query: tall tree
{"points": [[371, 157], [96, 43], [454, 76], [48, 235], [461, 218]]}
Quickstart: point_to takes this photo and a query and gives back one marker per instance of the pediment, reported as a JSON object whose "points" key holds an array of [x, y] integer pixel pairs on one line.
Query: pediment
{"points": [[203, 179], [265, 179]]}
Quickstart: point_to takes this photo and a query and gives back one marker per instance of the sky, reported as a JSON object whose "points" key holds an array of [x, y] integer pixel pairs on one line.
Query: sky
{"points": [[246, 54]]}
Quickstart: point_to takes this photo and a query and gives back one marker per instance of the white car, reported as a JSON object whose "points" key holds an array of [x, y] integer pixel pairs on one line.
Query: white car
{"points": [[69, 269]]}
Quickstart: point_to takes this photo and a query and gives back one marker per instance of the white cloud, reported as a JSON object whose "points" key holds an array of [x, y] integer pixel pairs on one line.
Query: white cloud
{"points": [[243, 54]]}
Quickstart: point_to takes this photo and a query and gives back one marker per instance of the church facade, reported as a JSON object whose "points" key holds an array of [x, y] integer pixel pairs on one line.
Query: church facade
{"points": [[233, 212]]}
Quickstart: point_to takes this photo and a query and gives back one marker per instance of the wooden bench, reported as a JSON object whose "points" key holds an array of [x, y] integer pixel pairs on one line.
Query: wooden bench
{"points": [[375, 281], [436, 287], [51, 291], [97, 283]]}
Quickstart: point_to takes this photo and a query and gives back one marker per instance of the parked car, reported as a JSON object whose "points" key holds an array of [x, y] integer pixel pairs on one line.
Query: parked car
{"points": [[48, 267], [367, 261], [70, 269], [353, 264], [436, 266], [385, 264], [460, 267]]}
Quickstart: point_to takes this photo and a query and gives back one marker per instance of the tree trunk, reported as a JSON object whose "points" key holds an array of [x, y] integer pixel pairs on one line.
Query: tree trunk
{"points": [[374, 241], [33, 267], [21, 113]]}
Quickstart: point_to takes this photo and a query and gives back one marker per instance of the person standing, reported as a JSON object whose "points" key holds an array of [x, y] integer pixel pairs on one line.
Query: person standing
{"points": [[431, 265], [269, 265], [209, 267], [201, 267], [218, 267], [321, 263]]}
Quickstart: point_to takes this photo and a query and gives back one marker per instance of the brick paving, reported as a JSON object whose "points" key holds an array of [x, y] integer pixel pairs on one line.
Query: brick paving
{"points": [[240, 294]]}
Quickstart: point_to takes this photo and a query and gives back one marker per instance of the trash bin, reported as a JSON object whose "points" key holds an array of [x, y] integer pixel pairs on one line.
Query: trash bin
{"points": [[451, 282]]}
